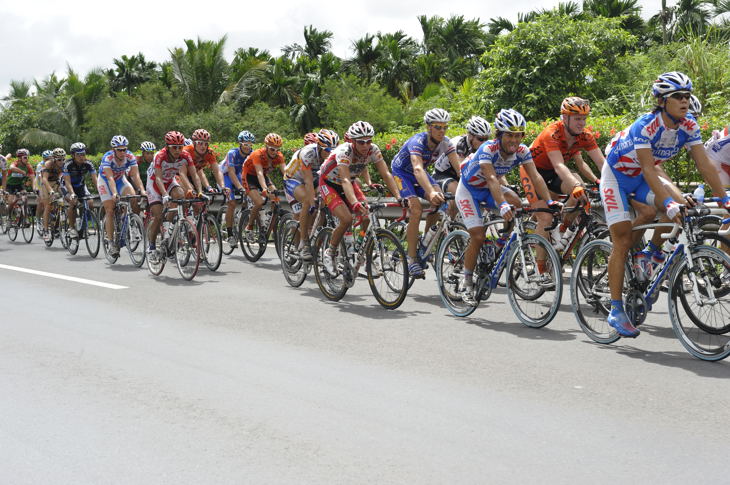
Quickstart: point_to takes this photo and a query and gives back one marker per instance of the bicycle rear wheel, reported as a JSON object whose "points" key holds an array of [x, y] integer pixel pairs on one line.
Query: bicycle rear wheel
{"points": [[107, 243], [211, 240], [333, 286], [225, 232], [702, 324], [534, 296], [387, 269], [136, 240], [64, 235], [276, 230], [449, 266], [187, 249], [14, 222], [295, 270], [92, 234], [589, 292], [156, 263], [253, 243]]}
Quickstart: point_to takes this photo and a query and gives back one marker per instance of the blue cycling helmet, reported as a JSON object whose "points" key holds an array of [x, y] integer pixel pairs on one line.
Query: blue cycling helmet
{"points": [[510, 120], [246, 136], [47, 154], [119, 141], [187, 142], [671, 82]]}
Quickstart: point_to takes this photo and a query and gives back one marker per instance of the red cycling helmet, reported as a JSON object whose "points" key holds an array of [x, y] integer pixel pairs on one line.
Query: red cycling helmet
{"points": [[174, 138], [201, 135]]}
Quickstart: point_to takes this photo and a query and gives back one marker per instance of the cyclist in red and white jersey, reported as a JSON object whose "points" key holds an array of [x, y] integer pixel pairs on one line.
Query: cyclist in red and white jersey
{"points": [[337, 185], [162, 183]]}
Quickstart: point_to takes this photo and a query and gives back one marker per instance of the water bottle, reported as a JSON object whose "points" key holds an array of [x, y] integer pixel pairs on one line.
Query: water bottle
{"points": [[699, 193], [266, 217], [430, 233], [491, 252], [166, 229], [350, 244]]}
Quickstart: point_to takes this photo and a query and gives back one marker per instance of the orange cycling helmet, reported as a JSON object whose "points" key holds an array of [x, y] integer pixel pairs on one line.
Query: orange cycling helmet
{"points": [[273, 140], [575, 106], [201, 135]]}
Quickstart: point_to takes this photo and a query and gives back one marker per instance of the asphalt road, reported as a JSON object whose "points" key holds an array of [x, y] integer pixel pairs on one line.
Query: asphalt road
{"points": [[238, 378]]}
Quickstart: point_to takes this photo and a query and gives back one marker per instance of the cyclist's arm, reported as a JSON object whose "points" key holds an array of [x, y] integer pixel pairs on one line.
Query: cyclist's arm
{"points": [[94, 179], [67, 183], [194, 176], [136, 180], [707, 169], [344, 172], [495, 188], [598, 158], [13, 169], [260, 175], [110, 181], [158, 181], [308, 177], [387, 178], [455, 161], [217, 175], [648, 168], [538, 181], [46, 182], [556, 158], [421, 177], [234, 179]]}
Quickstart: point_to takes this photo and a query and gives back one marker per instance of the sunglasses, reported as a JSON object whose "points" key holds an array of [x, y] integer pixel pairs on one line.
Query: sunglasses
{"points": [[23, 156], [440, 127], [121, 149], [274, 148], [176, 147], [681, 95], [201, 142], [364, 142], [482, 138]]}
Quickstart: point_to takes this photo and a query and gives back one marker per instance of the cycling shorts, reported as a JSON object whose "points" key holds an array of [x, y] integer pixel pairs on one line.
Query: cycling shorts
{"points": [[408, 185], [251, 182], [105, 192], [333, 195], [80, 191], [228, 183], [153, 196], [470, 204], [617, 189]]}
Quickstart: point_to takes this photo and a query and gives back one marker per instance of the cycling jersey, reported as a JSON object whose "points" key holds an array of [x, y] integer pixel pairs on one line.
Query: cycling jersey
{"points": [[306, 158], [261, 158], [418, 145], [489, 153], [553, 138], [649, 132], [38, 170], [77, 171], [345, 156], [16, 179], [119, 171], [718, 151], [208, 159], [442, 166], [53, 170], [234, 158], [169, 169]]}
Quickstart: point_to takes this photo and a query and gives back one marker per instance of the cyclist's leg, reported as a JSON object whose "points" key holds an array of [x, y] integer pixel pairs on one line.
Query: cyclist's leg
{"points": [[471, 214]]}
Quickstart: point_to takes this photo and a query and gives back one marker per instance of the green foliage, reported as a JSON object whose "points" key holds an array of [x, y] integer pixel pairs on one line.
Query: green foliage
{"points": [[539, 63], [200, 70], [348, 99], [260, 119], [22, 114]]}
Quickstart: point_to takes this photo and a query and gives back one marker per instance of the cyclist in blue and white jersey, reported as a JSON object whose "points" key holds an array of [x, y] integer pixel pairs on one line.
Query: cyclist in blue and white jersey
{"points": [[409, 169], [446, 173], [113, 181], [480, 183], [231, 168], [74, 172], [632, 171], [301, 179]]}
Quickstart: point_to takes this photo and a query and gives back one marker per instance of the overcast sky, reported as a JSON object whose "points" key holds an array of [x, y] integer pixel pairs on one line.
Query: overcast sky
{"points": [[42, 36]]}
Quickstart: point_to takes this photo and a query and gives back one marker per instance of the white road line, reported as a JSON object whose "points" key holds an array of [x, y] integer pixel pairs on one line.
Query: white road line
{"points": [[64, 277]]}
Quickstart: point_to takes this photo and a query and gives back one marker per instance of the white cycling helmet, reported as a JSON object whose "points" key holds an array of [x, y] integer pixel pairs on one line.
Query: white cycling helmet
{"points": [[59, 153], [360, 129], [78, 147], [695, 107], [510, 120], [119, 141], [436, 115], [148, 146], [671, 82], [478, 126]]}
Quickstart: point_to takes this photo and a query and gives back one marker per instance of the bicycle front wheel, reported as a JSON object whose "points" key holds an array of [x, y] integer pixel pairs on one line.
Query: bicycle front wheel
{"points": [[107, 243], [701, 317], [294, 269], [27, 226], [212, 242], [387, 269], [333, 286], [92, 234], [253, 242], [534, 290], [14, 222], [136, 240], [187, 249], [449, 265]]}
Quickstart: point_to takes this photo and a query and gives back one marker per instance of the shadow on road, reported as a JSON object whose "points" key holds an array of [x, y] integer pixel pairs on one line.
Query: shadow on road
{"points": [[519, 330], [353, 304], [679, 360]]}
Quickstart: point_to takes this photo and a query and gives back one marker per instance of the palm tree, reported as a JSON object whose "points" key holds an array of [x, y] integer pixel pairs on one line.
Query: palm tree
{"points": [[201, 72], [316, 43], [130, 72], [395, 67], [691, 16], [365, 57], [18, 90], [500, 24], [51, 86]]}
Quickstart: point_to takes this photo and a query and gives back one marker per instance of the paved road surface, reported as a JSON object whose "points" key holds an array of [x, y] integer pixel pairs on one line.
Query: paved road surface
{"points": [[238, 378]]}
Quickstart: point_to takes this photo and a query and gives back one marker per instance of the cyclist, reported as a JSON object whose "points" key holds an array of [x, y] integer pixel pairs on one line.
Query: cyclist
{"points": [[255, 176], [161, 183], [446, 173], [231, 168], [144, 161], [631, 171], [718, 151], [74, 171], [18, 173], [38, 183], [52, 169], [480, 183], [301, 178], [560, 142], [409, 168], [113, 182], [202, 156], [339, 189], [3, 172]]}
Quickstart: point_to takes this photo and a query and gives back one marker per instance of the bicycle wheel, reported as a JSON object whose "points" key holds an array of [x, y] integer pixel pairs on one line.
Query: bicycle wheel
{"points": [[295, 270], [399, 229], [253, 242], [276, 231], [106, 243], [211, 240], [64, 235], [449, 266], [187, 249], [27, 225], [227, 248], [92, 234], [387, 269], [333, 287], [701, 323], [14, 222], [73, 243], [535, 296], [156, 264], [589, 292], [3, 216], [136, 240]]}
